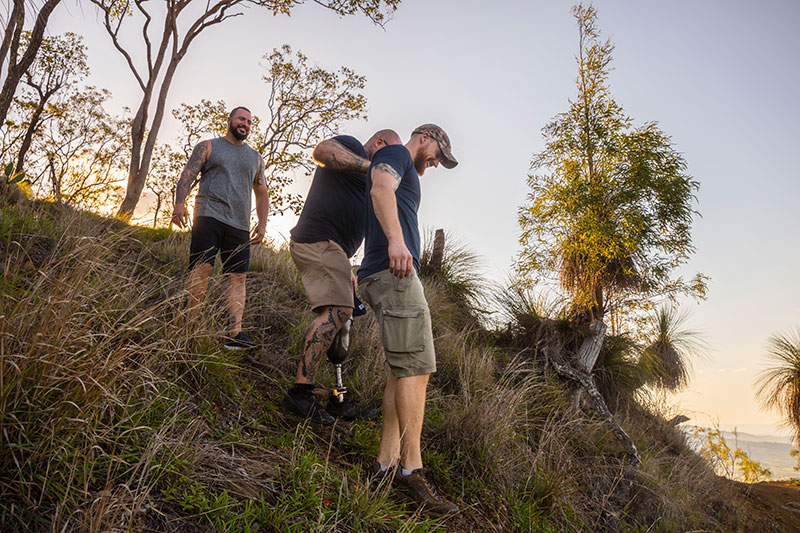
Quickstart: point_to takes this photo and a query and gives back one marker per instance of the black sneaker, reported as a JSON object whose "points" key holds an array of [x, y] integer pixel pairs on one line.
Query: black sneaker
{"points": [[417, 487], [306, 406], [348, 410], [239, 342]]}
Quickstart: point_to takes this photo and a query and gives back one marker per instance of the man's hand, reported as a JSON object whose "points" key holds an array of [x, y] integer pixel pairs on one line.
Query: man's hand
{"points": [[354, 281], [180, 215], [258, 234], [400, 260]]}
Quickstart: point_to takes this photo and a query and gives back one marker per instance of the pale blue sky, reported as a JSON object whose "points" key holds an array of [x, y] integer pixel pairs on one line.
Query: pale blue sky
{"points": [[719, 76]]}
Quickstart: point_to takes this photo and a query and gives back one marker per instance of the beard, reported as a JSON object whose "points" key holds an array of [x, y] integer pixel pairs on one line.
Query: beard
{"points": [[236, 135], [420, 163]]}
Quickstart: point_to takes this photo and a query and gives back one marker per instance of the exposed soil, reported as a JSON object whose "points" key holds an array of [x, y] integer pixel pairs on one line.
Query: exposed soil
{"points": [[770, 506]]}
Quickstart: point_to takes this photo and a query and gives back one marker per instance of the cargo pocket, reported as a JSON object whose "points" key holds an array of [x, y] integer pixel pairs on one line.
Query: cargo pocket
{"points": [[404, 329]]}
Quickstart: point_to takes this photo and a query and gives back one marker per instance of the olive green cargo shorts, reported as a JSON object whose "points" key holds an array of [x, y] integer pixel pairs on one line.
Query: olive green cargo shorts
{"points": [[405, 322]]}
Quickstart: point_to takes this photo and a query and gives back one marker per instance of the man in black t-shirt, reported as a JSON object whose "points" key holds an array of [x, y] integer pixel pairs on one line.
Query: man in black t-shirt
{"points": [[389, 283], [328, 233]]}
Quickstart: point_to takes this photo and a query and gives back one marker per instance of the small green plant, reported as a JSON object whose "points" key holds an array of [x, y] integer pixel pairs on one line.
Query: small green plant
{"points": [[526, 515], [363, 442], [11, 176]]}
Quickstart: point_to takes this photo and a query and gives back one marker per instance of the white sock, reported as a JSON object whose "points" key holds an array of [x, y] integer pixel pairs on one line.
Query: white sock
{"points": [[405, 472], [384, 468]]}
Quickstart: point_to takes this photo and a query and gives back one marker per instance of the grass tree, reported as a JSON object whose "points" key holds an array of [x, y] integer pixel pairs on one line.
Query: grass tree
{"points": [[672, 346], [779, 384], [610, 208]]}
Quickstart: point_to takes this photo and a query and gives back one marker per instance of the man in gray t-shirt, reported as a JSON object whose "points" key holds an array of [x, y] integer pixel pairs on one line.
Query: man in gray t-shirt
{"points": [[228, 170]]}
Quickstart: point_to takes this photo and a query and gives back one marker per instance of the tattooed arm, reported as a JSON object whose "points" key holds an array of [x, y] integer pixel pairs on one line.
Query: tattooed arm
{"points": [[180, 215], [332, 154], [262, 203], [385, 181]]}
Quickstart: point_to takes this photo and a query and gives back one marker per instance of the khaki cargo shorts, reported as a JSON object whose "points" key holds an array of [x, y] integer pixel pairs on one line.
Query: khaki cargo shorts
{"points": [[405, 322], [326, 272]]}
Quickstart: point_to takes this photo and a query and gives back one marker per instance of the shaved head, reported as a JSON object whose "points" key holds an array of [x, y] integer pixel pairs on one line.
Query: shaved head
{"points": [[380, 139]]}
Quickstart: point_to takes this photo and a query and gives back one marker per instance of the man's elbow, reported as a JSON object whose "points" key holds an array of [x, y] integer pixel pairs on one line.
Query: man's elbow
{"points": [[321, 153]]}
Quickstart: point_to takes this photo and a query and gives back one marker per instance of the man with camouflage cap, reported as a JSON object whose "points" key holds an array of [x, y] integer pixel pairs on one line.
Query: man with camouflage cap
{"points": [[389, 283]]}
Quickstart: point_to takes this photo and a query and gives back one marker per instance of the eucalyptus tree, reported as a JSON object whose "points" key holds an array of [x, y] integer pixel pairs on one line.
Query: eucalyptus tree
{"points": [[19, 60], [610, 209], [164, 32], [304, 105], [82, 150], [59, 65]]}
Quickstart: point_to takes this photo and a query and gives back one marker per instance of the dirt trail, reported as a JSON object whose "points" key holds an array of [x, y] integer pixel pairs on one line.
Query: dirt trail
{"points": [[770, 506]]}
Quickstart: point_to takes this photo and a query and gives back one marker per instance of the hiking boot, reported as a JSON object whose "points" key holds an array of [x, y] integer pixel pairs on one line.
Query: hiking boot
{"points": [[417, 487], [239, 342], [306, 406], [348, 410]]}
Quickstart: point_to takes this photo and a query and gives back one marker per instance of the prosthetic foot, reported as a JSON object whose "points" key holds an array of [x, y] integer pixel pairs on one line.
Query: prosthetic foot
{"points": [[337, 354], [338, 405]]}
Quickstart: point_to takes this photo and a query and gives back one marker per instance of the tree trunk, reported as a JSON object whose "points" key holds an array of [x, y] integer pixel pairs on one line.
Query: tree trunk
{"points": [[54, 180], [554, 352], [590, 349], [16, 70], [142, 149], [438, 252], [133, 190], [13, 29], [158, 208], [28, 139]]}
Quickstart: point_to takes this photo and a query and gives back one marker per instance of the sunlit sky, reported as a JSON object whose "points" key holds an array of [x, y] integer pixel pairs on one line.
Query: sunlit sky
{"points": [[720, 77]]}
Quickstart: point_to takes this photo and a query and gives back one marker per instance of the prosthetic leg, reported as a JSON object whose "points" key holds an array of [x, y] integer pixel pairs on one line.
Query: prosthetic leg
{"points": [[337, 354], [338, 405]]}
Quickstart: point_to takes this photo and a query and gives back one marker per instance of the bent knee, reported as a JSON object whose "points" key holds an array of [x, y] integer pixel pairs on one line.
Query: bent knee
{"points": [[342, 313], [338, 314]]}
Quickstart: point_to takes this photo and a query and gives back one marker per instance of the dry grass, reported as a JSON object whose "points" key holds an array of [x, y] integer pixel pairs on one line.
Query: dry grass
{"points": [[118, 414]]}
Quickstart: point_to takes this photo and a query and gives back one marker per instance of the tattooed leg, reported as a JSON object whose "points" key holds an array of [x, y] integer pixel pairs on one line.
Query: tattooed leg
{"points": [[318, 338]]}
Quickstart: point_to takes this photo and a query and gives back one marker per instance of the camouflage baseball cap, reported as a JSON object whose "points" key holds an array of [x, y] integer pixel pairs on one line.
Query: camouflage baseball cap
{"points": [[438, 134]]}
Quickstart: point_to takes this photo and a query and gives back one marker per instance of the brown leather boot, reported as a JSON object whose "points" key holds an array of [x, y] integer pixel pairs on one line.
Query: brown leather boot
{"points": [[417, 487]]}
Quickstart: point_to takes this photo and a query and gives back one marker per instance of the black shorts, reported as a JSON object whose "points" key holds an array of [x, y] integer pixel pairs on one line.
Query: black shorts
{"points": [[210, 236]]}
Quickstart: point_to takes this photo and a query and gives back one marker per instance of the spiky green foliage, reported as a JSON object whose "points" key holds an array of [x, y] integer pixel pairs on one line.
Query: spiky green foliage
{"points": [[610, 207], [459, 277], [779, 384], [521, 309], [619, 373], [672, 347]]}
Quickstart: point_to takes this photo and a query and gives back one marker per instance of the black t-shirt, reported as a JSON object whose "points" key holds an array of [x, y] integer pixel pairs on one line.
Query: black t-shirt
{"points": [[376, 246], [335, 208]]}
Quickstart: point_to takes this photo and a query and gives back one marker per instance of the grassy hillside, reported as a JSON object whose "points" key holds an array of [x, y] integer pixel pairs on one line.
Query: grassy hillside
{"points": [[116, 414]]}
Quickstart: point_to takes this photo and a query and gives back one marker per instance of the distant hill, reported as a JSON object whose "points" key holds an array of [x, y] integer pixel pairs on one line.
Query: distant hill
{"points": [[772, 451]]}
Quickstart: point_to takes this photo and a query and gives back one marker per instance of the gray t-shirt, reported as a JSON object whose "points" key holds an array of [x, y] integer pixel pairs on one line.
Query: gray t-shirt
{"points": [[226, 182]]}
